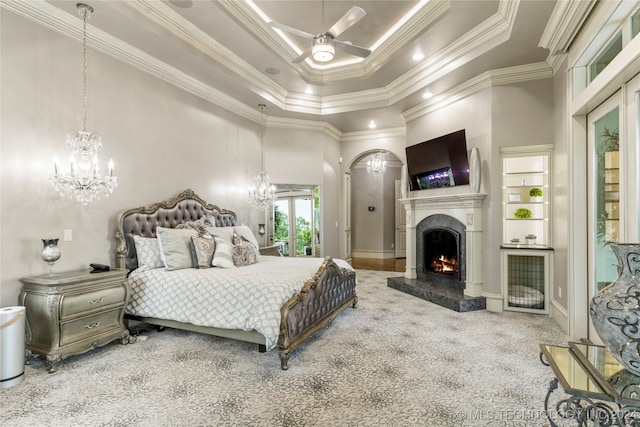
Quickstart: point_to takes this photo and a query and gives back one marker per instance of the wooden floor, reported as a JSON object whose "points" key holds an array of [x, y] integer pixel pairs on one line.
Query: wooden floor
{"points": [[391, 264]]}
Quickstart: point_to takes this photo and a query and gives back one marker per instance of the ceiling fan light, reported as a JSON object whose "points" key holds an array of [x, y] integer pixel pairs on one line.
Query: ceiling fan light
{"points": [[323, 52]]}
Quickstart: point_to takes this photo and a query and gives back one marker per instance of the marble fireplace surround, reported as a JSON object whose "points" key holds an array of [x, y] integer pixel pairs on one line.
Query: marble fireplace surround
{"points": [[466, 208]]}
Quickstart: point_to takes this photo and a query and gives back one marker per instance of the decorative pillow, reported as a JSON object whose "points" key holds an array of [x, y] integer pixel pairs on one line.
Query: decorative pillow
{"points": [[225, 233], [246, 232], [175, 247], [148, 251], [200, 225], [244, 254], [223, 255], [202, 249]]}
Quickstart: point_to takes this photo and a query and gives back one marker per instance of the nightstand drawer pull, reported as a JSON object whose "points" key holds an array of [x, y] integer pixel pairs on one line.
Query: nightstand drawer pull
{"points": [[88, 302], [96, 301], [92, 325]]}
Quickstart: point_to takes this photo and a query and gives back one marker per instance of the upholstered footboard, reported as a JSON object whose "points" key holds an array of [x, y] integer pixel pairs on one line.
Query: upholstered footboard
{"points": [[329, 292]]}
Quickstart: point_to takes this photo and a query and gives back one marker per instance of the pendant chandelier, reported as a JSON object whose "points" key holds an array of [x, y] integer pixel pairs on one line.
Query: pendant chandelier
{"points": [[83, 182], [376, 166], [262, 194]]}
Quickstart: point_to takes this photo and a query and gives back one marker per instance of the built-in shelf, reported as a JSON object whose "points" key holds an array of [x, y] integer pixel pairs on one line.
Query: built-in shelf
{"points": [[526, 261]]}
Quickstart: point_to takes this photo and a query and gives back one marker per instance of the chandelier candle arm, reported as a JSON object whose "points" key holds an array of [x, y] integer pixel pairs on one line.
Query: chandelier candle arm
{"points": [[83, 182]]}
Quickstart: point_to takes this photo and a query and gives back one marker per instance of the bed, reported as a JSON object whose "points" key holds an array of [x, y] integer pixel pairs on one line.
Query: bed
{"points": [[304, 294]]}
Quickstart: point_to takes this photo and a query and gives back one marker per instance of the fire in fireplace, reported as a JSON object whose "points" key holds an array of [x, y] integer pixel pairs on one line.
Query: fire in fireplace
{"points": [[444, 265], [441, 252]]}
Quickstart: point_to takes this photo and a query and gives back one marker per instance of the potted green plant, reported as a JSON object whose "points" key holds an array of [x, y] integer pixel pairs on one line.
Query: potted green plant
{"points": [[522, 213], [536, 194]]}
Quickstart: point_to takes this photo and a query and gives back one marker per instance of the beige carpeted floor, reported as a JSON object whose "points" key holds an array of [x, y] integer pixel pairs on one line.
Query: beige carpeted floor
{"points": [[395, 360]]}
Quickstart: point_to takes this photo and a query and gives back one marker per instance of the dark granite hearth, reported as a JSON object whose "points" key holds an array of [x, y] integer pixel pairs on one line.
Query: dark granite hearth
{"points": [[443, 295]]}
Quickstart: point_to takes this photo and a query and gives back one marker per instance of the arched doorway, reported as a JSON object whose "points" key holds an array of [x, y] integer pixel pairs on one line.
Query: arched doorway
{"points": [[375, 219]]}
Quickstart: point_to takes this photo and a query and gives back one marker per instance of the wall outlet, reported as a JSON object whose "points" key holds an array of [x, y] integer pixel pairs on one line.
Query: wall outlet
{"points": [[559, 292], [393, 245], [68, 235]]}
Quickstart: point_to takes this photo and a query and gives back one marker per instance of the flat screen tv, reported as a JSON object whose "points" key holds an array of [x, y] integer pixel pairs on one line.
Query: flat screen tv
{"points": [[439, 162]]}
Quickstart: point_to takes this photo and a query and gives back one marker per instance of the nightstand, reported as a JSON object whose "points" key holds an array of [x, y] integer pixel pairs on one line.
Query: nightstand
{"points": [[74, 312]]}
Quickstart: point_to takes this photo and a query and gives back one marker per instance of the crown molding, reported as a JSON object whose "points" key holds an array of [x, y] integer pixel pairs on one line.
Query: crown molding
{"points": [[563, 26], [370, 134], [492, 30], [250, 19], [307, 125], [499, 77], [171, 21], [57, 20]]}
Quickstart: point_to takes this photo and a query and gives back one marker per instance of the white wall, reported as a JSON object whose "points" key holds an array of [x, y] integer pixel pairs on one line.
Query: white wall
{"points": [[561, 179], [161, 139]]}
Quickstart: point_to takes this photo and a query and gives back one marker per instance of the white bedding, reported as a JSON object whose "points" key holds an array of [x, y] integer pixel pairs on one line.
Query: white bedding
{"points": [[246, 298]]}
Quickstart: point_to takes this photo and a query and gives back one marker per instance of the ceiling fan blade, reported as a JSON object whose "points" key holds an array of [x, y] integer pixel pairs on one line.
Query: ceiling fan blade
{"points": [[304, 55], [351, 17], [291, 30], [352, 49]]}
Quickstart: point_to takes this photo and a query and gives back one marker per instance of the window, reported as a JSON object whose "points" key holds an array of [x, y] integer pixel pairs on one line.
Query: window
{"points": [[606, 56], [635, 24]]}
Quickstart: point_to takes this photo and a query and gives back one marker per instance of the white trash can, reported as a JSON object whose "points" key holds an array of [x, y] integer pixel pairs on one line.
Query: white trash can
{"points": [[12, 324]]}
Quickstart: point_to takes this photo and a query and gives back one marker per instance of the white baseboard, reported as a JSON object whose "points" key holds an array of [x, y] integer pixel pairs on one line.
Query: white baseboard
{"points": [[561, 316], [494, 302], [373, 254]]}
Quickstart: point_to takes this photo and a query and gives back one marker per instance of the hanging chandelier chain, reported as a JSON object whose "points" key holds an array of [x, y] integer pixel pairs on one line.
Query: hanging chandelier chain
{"points": [[85, 13], [262, 122]]}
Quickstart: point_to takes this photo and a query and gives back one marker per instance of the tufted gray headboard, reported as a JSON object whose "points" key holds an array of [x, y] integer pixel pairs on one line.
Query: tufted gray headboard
{"points": [[142, 221]]}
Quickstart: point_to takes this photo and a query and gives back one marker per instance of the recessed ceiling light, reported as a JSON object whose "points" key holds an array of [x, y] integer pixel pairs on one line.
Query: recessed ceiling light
{"points": [[418, 56], [309, 90], [272, 71], [372, 124], [427, 95]]}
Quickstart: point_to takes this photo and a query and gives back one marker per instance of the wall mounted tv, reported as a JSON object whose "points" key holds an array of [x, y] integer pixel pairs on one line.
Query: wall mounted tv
{"points": [[438, 163]]}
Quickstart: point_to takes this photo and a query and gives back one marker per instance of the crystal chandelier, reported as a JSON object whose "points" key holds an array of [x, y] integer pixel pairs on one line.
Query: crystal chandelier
{"points": [[376, 166], [83, 182], [262, 194]]}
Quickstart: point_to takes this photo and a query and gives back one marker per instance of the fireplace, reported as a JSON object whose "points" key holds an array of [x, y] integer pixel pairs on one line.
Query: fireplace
{"points": [[441, 251], [444, 251]]}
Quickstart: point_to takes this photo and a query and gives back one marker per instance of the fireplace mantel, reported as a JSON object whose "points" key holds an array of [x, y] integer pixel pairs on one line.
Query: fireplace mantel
{"points": [[466, 208]]}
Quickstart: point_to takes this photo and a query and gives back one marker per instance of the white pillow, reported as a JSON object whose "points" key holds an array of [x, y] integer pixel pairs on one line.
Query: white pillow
{"points": [[225, 233], [148, 251], [246, 232], [175, 247], [223, 256]]}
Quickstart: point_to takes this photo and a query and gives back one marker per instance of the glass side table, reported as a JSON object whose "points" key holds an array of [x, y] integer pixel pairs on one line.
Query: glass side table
{"points": [[601, 392]]}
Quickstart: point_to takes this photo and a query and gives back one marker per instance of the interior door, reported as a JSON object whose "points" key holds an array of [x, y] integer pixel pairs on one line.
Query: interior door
{"points": [[605, 190], [401, 226], [347, 216]]}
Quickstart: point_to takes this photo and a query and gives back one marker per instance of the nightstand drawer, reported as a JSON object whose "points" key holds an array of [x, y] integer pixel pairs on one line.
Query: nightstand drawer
{"points": [[74, 304], [89, 326]]}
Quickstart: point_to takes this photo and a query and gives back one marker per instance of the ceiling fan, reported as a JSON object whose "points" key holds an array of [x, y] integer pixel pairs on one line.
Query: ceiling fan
{"points": [[324, 44]]}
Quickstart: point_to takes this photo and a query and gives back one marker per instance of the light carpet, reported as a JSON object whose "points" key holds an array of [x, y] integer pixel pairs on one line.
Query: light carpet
{"points": [[395, 360]]}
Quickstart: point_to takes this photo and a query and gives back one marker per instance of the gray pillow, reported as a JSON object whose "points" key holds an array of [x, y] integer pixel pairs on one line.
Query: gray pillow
{"points": [[175, 247], [148, 252], [202, 249]]}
